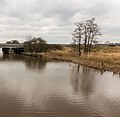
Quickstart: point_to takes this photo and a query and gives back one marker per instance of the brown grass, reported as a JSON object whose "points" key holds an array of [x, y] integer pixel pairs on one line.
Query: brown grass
{"points": [[104, 58]]}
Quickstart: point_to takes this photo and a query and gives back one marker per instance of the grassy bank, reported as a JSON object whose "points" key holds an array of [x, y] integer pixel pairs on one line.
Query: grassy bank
{"points": [[102, 58]]}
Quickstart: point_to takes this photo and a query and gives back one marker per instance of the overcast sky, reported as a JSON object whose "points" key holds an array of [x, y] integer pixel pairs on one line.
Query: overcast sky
{"points": [[54, 19]]}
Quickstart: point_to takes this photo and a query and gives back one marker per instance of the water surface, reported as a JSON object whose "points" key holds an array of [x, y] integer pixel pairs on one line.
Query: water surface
{"points": [[35, 88]]}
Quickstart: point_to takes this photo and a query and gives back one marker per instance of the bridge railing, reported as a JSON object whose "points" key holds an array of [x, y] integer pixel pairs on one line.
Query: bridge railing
{"points": [[3, 45]]}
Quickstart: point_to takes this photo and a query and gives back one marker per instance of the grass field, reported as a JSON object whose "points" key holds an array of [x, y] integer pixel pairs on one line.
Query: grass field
{"points": [[103, 58]]}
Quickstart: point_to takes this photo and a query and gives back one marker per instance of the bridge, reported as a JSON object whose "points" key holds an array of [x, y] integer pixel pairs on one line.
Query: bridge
{"points": [[11, 48], [4, 45]]}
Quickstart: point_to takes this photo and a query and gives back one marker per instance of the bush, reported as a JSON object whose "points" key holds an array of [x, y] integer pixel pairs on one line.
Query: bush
{"points": [[39, 45]]}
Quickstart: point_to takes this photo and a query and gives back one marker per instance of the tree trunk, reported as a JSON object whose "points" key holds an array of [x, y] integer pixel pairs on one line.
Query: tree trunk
{"points": [[80, 47], [85, 43], [88, 44], [91, 43]]}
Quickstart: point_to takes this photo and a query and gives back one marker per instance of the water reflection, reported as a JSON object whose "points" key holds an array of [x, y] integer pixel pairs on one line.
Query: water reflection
{"points": [[10, 104], [99, 93], [82, 80], [56, 89], [30, 62]]}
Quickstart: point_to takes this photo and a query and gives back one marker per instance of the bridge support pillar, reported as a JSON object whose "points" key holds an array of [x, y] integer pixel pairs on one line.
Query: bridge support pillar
{"points": [[12, 50], [5, 50]]}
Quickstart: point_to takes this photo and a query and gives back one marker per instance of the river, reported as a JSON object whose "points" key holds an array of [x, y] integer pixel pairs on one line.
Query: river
{"points": [[35, 88]]}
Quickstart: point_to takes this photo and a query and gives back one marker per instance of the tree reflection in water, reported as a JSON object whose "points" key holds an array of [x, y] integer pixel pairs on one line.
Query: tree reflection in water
{"points": [[30, 62], [82, 80]]}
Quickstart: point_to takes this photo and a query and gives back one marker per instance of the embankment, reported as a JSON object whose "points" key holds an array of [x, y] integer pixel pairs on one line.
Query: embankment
{"points": [[103, 62]]}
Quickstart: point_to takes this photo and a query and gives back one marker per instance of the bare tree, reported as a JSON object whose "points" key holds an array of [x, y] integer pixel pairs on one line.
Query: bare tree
{"points": [[13, 42], [78, 34], [28, 37], [86, 31]]}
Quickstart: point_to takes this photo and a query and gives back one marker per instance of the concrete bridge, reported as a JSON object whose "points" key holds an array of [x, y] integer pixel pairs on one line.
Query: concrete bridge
{"points": [[11, 48], [4, 45]]}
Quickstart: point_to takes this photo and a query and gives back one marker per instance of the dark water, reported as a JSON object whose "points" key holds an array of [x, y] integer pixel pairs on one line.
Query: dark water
{"points": [[33, 88]]}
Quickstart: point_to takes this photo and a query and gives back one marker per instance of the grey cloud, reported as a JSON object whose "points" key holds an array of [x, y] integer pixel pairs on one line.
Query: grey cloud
{"points": [[53, 19]]}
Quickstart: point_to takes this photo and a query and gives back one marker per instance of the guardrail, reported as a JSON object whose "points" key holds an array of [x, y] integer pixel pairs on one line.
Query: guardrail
{"points": [[3, 45]]}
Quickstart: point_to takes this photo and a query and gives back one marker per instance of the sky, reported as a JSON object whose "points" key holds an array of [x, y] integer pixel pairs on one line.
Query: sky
{"points": [[53, 20]]}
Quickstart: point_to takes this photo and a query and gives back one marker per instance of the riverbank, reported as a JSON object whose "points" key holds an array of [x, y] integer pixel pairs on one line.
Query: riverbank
{"points": [[103, 59]]}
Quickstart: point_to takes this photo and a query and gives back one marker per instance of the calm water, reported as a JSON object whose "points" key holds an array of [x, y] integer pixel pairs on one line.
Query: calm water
{"points": [[33, 88]]}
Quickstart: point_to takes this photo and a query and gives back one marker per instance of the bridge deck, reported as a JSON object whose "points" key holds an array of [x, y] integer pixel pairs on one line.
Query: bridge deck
{"points": [[3, 45]]}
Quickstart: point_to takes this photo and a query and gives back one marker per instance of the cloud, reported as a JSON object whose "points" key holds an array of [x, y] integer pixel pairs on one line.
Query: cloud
{"points": [[53, 20]]}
